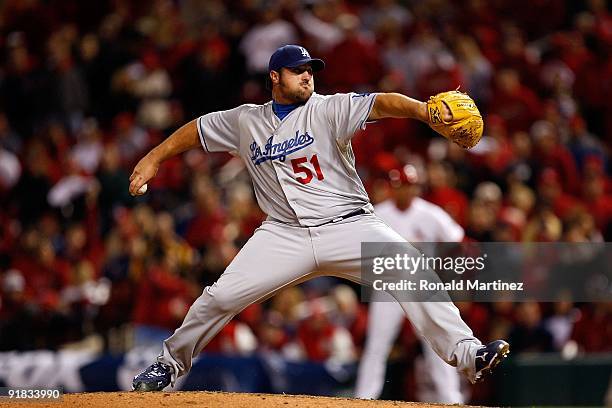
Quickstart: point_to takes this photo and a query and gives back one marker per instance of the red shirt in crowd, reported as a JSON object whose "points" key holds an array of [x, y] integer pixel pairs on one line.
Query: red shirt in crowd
{"points": [[205, 229], [43, 283], [453, 201], [163, 299], [585, 334], [519, 107], [352, 64]]}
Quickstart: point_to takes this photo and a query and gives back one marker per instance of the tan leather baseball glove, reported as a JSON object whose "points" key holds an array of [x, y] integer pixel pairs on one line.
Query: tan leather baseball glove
{"points": [[466, 126]]}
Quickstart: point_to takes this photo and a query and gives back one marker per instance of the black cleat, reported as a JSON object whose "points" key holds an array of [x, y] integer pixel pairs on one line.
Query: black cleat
{"points": [[155, 378], [489, 356]]}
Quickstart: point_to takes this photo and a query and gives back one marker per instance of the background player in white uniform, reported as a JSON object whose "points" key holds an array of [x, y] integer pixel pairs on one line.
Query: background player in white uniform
{"points": [[416, 220], [298, 153]]}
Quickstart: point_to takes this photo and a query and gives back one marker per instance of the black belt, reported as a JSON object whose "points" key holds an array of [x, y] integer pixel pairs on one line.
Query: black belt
{"points": [[344, 217]]}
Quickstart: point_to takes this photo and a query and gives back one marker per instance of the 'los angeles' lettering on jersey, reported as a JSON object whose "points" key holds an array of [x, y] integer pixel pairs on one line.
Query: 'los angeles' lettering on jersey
{"points": [[280, 150]]}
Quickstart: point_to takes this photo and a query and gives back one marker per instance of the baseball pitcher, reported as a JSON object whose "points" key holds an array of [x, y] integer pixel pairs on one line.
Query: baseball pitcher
{"points": [[297, 150]]}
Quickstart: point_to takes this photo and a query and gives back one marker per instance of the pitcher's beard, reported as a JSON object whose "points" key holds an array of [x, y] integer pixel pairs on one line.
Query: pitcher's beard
{"points": [[300, 95]]}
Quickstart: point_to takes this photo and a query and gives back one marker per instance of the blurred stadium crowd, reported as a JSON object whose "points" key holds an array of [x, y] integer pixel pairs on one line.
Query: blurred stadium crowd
{"points": [[86, 88]]}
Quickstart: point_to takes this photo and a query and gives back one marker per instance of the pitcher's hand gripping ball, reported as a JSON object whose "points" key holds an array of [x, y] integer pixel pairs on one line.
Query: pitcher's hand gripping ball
{"points": [[466, 126]]}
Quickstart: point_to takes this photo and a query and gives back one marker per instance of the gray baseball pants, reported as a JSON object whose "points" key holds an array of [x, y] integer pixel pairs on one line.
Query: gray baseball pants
{"points": [[278, 256]]}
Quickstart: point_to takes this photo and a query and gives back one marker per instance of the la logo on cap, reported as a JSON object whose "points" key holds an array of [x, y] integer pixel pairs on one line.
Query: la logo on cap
{"points": [[304, 52]]}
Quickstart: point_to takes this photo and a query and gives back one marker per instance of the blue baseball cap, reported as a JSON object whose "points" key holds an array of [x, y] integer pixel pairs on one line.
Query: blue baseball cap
{"points": [[290, 56]]}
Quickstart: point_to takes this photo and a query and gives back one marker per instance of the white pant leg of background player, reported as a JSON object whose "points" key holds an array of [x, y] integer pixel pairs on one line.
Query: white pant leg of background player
{"points": [[385, 320], [338, 252], [443, 380], [422, 221], [275, 257]]}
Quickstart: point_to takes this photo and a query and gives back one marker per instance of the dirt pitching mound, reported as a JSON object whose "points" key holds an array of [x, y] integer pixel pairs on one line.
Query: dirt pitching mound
{"points": [[209, 399]]}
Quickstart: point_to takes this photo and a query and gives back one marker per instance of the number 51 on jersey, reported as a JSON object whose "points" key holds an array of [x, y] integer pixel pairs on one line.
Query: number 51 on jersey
{"points": [[300, 168]]}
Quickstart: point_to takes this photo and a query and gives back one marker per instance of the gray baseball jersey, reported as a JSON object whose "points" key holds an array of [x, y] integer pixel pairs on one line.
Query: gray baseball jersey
{"points": [[302, 167]]}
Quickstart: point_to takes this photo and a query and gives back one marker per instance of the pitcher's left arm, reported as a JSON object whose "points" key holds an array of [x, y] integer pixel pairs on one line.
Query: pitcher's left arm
{"points": [[452, 114]]}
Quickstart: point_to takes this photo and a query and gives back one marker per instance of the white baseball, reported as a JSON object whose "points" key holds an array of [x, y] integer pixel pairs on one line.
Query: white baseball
{"points": [[143, 189]]}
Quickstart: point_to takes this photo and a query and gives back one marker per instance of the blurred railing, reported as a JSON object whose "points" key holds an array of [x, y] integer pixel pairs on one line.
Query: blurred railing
{"points": [[548, 379], [525, 380]]}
